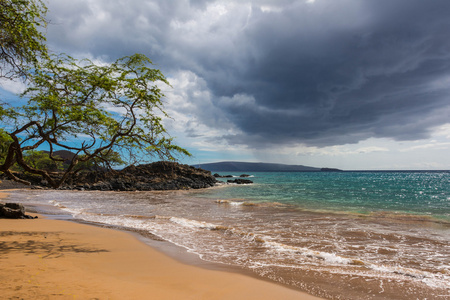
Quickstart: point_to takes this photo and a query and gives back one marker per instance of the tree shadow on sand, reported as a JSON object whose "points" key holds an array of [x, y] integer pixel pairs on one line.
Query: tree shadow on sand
{"points": [[31, 243]]}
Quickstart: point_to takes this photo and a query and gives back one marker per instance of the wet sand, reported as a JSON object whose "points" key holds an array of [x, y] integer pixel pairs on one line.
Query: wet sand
{"points": [[52, 259]]}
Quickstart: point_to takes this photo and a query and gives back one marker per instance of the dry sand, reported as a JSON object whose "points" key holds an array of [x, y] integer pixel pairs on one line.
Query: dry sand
{"points": [[52, 259]]}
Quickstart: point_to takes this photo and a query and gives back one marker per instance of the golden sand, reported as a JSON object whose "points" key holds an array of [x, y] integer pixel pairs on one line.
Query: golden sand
{"points": [[52, 259]]}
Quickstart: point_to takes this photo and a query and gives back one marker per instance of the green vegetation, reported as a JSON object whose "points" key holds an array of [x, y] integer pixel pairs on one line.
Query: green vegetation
{"points": [[95, 112], [22, 42], [5, 141], [40, 160]]}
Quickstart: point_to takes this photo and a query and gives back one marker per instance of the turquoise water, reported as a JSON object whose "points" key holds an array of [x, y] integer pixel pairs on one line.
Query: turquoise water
{"points": [[417, 193]]}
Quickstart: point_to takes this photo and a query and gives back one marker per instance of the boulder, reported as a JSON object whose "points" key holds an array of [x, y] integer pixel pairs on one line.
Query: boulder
{"points": [[222, 176], [13, 211], [240, 181]]}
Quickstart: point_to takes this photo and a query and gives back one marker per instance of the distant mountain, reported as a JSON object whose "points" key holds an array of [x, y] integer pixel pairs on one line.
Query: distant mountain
{"points": [[234, 166]]}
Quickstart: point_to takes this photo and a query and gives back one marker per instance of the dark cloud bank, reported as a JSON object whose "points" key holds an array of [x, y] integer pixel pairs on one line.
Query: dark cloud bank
{"points": [[323, 73]]}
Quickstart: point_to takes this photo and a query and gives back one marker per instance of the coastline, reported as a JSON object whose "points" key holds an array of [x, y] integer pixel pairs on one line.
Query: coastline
{"points": [[44, 258]]}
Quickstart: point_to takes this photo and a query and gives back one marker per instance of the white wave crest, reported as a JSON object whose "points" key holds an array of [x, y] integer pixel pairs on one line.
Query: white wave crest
{"points": [[328, 257], [193, 223], [229, 202]]}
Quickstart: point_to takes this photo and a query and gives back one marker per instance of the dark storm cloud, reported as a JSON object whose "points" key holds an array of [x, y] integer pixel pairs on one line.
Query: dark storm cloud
{"points": [[342, 76], [323, 73]]}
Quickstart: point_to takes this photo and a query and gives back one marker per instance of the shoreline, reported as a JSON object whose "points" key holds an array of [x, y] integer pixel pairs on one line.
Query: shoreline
{"points": [[66, 259]]}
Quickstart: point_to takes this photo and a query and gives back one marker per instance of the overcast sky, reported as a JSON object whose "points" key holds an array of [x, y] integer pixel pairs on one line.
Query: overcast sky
{"points": [[351, 84]]}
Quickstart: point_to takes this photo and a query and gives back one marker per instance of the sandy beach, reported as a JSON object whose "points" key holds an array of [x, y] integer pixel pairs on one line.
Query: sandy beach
{"points": [[53, 259]]}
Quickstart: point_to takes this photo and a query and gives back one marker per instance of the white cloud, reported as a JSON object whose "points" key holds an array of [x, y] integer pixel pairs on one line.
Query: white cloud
{"points": [[432, 145], [363, 147], [443, 131], [195, 120], [268, 8], [13, 86], [371, 149]]}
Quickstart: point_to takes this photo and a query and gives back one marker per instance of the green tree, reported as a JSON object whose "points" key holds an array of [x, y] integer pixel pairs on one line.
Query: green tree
{"points": [[105, 160], [92, 111], [96, 112], [5, 141], [22, 42], [41, 160]]}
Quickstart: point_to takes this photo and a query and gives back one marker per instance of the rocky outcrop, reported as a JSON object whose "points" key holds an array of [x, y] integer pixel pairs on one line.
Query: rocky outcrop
{"points": [[161, 175], [13, 211], [155, 176]]}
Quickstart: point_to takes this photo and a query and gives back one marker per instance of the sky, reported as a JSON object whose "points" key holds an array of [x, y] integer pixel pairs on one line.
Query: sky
{"points": [[349, 84]]}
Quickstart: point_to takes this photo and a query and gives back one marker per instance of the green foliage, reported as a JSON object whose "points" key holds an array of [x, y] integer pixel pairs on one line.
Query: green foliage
{"points": [[41, 160], [114, 106], [105, 160], [36, 159], [22, 42], [94, 111], [5, 141]]}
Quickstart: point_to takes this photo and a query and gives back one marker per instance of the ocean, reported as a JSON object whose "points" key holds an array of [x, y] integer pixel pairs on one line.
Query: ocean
{"points": [[338, 235]]}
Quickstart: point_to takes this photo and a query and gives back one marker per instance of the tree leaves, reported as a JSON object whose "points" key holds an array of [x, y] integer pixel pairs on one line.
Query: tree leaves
{"points": [[22, 42], [92, 110]]}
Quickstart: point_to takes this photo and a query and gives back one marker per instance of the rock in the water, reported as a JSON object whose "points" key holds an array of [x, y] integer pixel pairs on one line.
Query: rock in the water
{"points": [[217, 175], [240, 181]]}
